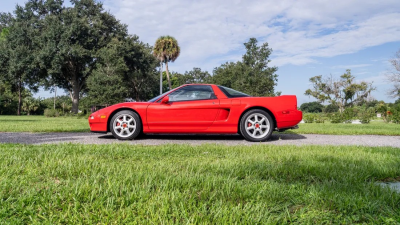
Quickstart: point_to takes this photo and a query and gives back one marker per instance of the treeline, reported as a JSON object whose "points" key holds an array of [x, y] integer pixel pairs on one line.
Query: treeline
{"points": [[364, 111], [87, 52]]}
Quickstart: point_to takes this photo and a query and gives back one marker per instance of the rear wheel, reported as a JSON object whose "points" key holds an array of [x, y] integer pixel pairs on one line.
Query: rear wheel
{"points": [[256, 125], [125, 125]]}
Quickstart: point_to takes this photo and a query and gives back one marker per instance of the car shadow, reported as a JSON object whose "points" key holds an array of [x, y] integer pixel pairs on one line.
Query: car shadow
{"points": [[208, 137]]}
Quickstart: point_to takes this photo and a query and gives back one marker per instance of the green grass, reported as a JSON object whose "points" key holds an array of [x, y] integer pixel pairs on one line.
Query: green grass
{"points": [[74, 124], [374, 128], [43, 124], [208, 184]]}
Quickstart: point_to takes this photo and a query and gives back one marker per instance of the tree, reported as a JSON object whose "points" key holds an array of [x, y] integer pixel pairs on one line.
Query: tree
{"points": [[70, 39], [393, 76], [311, 107], [175, 78], [166, 49], [106, 84], [141, 76], [331, 108], [5, 20], [126, 69], [8, 100], [30, 104], [344, 92], [194, 76], [4, 33], [252, 75], [18, 51]]}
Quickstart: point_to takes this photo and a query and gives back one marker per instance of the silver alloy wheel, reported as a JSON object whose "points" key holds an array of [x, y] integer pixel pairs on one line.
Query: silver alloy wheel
{"points": [[124, 125], [257, 125]]}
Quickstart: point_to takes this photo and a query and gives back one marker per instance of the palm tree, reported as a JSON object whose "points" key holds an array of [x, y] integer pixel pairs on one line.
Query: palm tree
{"points": [[30, 104], [166, 49]]}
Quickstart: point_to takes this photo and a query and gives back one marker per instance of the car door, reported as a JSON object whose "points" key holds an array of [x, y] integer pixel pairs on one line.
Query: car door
{"points": [[192, 108]]}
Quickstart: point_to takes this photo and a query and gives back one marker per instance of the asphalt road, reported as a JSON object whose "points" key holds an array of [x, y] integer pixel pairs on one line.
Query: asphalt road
{"points": [[277, 139]]}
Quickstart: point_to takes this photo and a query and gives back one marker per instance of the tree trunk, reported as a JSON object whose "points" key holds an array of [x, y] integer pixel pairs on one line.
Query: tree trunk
{"points": [[166, 68], [136, 92], [161, 77], [137, 97], [19, 97], [55, 96], [75, 96]]}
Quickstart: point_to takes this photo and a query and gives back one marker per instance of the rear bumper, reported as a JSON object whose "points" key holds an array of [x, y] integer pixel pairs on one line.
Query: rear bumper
{"points": [[289, 120]]}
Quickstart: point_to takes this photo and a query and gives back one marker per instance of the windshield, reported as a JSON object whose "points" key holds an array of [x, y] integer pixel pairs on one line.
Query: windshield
{"points": [[154, 99], [166, 93], [230, 93]]}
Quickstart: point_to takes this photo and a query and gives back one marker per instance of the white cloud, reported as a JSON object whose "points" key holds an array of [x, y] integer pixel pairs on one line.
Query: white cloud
{"points": [[377, 80], [212, 32], [351, 66]]}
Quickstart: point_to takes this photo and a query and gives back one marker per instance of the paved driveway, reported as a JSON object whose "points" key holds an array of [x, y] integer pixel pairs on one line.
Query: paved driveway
{"points": [[277, 139]]}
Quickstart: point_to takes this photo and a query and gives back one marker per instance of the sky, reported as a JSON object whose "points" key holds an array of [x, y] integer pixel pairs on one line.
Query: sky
{"points": [[308, 38]]}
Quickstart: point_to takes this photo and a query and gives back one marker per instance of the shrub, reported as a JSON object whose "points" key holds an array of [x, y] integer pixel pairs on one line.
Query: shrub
{"points": [[319, 118], [396, 114], [336, 118], [308, 118], [82, 115], [348, 115], [364, 119], [396, 117], [384, 110], [366, 114], [51, 113]]}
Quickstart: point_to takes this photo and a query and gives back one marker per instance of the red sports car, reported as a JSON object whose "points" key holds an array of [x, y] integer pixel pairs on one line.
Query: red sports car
{"points": [[200, 108]]}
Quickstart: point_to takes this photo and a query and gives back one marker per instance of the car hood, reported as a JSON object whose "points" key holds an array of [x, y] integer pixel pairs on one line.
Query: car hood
{"points": [[131, 105]]}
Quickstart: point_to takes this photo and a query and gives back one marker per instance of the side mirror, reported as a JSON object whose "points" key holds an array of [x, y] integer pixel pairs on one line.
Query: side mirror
{"points": [[165, 100]]}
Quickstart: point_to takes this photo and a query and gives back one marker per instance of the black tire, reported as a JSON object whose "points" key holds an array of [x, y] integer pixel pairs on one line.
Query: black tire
{"points": [[124, 125], [250, 127]]}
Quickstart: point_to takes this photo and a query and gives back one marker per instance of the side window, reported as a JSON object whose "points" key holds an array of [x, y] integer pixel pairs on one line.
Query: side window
{"points": [[192, 93]]}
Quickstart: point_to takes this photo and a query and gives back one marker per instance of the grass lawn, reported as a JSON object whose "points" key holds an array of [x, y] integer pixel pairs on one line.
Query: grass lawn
{"points": [[43, 124], [74, 124], [208, 184], [374, 128]]}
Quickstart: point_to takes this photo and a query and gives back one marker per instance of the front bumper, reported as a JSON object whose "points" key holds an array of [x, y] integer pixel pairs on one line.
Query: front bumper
{"points": [[98, 123]]}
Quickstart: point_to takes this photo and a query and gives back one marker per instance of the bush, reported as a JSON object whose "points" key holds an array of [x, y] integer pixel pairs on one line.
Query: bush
{"points": [[308, 118], [366, 114], [336, 118], [384, 110], [51, 113], [82, 115], [348, 115], [364, 119], [319, 118], [396, 117], [396, 114]]}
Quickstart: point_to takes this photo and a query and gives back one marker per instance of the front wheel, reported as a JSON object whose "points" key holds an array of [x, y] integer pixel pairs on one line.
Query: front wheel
{"points": [[256, 125], [125, 125]]}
